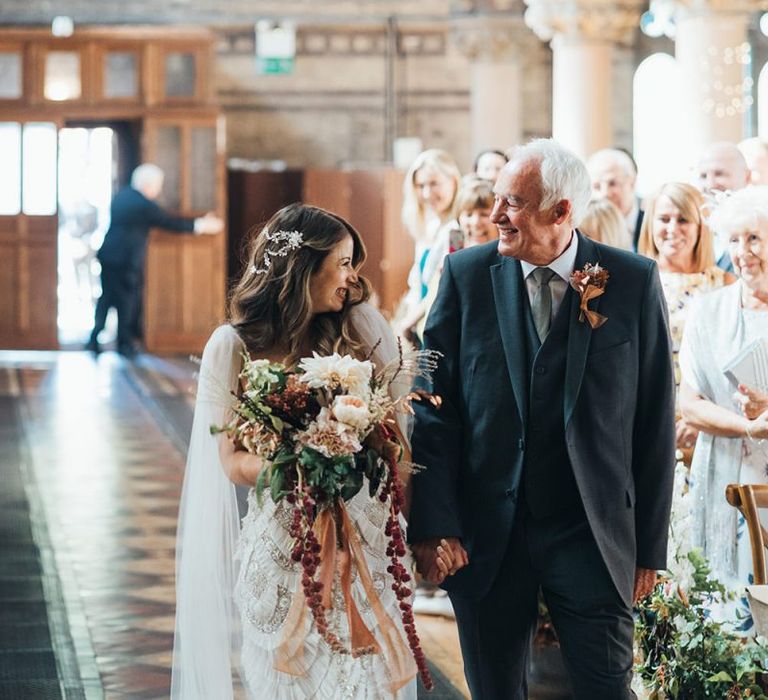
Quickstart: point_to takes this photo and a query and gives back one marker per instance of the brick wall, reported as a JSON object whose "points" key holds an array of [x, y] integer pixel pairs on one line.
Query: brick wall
{"points": [[335, 109]]}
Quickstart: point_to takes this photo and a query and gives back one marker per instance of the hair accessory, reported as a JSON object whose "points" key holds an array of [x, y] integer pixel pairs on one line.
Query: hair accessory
{"points": [[287, 240]]}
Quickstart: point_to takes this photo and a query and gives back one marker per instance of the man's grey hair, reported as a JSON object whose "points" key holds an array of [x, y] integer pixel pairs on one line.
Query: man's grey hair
{"points": [[612, 156], [147, 174], [563, 175]]}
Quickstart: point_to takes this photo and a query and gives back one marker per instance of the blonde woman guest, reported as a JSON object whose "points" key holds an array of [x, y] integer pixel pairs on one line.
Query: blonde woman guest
{"points": [[732, 419], [604, 223], [474, 204], [429, 211], [675, 234]]}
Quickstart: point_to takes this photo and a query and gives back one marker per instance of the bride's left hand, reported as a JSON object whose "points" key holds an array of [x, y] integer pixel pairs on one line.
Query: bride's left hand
{"points": [[241, 467]]}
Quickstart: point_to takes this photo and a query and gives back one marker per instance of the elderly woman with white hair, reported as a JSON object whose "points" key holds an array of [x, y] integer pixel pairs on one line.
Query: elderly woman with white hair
{"points": [[723, 327]]}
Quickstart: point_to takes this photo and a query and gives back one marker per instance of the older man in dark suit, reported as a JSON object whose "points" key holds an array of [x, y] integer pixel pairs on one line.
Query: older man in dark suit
{"points": [[134, 212], [550, 463]]}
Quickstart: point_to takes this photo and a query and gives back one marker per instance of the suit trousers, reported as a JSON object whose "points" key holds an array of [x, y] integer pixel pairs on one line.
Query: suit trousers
{"points": [[121, 289], [559, 555]]}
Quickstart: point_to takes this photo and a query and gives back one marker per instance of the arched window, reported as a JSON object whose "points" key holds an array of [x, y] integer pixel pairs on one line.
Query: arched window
{"points": [[762, 103], [658, 123]]}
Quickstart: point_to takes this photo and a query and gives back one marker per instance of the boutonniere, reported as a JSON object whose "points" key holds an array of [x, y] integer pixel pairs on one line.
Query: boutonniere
{"points": [[590, 284]]}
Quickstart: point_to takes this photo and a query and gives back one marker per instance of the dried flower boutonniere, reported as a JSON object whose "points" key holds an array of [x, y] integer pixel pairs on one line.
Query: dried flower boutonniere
{"points": [[590, 284]]}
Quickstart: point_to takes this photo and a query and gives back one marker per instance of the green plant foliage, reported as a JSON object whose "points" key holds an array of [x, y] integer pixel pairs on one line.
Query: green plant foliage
{"points": [[686, 654]]}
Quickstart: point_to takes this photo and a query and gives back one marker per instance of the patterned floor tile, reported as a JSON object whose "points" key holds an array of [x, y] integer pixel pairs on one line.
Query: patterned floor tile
{"points": [[110, 484]]}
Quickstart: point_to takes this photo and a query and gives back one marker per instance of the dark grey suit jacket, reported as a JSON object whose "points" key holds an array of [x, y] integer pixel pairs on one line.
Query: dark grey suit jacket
{"points": [[618, 403]]}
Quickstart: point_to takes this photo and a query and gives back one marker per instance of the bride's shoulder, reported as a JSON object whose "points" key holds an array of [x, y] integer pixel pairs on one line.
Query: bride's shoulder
{"points": [[223, 340], [366, 314]]}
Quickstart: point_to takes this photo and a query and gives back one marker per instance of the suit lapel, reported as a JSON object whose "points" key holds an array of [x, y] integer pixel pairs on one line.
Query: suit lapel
{"points": [[579, 333], [507, 280]]}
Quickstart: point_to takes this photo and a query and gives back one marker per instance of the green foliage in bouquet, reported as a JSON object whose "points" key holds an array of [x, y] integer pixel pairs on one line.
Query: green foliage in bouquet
{"points": [[684, 653]]}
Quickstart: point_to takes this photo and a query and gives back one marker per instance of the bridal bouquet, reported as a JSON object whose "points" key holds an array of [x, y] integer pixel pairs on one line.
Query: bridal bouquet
{"points": [[323, 430]]}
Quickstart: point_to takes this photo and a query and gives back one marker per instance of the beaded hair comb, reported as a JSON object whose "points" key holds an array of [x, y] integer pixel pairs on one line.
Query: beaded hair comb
{"points": [[286, 241]]}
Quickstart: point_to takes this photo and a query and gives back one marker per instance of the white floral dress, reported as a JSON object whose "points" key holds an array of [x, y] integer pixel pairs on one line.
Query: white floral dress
{"points": [[264, 591], [717, 330]]}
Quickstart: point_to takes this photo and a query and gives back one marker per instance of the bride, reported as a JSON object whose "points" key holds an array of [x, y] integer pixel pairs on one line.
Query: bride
{"points": [[235, 582]]}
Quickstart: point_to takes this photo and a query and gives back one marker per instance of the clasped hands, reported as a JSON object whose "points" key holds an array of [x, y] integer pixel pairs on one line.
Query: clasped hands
{"points": [[754, 406], [438, 558]]}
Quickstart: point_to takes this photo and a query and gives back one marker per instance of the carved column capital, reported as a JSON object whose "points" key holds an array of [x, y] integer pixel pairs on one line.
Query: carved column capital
{"points": [[614, 21], [490, 37]]}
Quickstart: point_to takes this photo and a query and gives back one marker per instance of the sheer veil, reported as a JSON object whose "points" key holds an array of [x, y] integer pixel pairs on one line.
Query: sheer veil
{"points": [[207, 640], [207, 636]]}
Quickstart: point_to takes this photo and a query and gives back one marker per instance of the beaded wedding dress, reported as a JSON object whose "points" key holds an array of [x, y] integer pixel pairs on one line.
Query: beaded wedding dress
{"points": [[236, 582]]}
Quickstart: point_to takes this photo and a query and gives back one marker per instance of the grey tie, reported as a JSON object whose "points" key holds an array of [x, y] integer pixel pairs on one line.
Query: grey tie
{"points": [[541, 307]]}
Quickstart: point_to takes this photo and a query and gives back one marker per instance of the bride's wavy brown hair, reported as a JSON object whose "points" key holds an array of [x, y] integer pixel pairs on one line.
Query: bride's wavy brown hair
{"points": [[275, 306]]}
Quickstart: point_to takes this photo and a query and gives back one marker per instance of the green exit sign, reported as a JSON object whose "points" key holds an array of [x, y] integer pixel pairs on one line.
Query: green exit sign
{"points": [[271, 65]]}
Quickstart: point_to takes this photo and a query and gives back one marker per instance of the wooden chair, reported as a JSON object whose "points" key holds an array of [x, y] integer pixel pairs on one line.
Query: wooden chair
{"points": [[749, 499]]}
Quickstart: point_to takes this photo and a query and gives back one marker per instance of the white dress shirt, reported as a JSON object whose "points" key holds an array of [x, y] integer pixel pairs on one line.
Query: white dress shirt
{"points": [[631, 219], [562, 267]]}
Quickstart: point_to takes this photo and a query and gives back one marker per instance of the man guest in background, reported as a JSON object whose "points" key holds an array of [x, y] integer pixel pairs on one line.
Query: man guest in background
{"points": [[613, 174], [549, 463], [134, 212], [722, 168]]}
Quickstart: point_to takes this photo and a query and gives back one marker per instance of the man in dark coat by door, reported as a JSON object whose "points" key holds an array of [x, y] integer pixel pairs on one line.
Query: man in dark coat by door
{"points": [[134, 212], [549, 464]]}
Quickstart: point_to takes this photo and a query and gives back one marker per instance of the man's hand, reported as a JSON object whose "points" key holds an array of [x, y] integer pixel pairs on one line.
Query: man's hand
{"points": [[209, 224], [645, 580], [685, 435], [438, 558]]}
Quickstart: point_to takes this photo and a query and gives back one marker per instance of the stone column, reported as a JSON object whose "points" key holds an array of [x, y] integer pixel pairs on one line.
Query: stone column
{"points": [[582, 34], [713, 55], [493, 44]]}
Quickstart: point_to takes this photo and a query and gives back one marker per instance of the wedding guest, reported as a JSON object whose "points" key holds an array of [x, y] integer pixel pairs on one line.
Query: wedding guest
{"points": [[613, 173], [429, 213], [474, 205], [134, 211], [604, 223], [675, 235], [722, 168], [731, 418], [488, 164]]}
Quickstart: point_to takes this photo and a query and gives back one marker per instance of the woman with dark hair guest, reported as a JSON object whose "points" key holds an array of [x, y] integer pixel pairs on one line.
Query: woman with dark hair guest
{"points": [[488, 164], [675, 234], [301, 292]]}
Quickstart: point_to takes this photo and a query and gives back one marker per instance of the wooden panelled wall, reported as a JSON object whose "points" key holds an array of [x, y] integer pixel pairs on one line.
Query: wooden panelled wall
{"points": [[185, 290], [369, 199], [183, 133]]}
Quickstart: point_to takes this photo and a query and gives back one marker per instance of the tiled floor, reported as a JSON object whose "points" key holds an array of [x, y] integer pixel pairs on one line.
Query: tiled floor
{"points": [[105, 442]]}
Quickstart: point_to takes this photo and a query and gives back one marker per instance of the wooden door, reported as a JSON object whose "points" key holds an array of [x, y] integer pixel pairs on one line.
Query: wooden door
{"points": [[28, 235], [184, 298], [371, 201]]}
